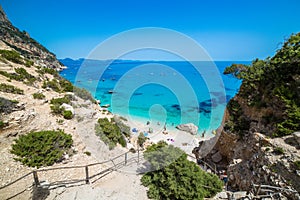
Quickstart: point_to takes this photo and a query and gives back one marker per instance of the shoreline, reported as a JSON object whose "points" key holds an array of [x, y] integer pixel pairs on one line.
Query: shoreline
{"points": [[184, 140]]}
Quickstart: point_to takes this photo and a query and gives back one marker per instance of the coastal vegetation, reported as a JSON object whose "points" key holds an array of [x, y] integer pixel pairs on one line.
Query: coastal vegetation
{"points": [[7, 105], [10, 89], [58, 109], [20, 75], [175, 177], [271, 88], [42, 148], [110, 133], [38, 95]]}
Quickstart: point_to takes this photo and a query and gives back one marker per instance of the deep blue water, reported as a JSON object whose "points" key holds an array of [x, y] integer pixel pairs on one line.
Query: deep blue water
{"points": [[158, 91]]}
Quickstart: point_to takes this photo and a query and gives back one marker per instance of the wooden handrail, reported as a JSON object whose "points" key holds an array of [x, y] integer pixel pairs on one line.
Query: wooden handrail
{"points": [[61, 168]]}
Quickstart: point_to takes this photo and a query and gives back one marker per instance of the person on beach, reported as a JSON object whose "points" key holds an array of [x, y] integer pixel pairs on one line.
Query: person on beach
{"points": [[165, 127], [203, 133]]}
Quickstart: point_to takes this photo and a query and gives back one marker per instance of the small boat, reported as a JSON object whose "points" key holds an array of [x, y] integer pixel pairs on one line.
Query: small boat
{"points": [[110, 91]]}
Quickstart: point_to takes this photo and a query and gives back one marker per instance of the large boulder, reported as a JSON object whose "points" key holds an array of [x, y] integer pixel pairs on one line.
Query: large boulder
{"points": [[297, 137], [190, 128]]}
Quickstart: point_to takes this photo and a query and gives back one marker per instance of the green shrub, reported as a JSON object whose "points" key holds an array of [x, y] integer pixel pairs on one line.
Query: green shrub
{"points": [[278, 150], [46, 70], [297, 164], [60, 101], [28, 63], [53, 84], [2, 124], [67, 114], [12, 56], [10, 89], [175, 177], [42, 148], [38, 96], [141, 139], [57, 109], [83, 93], [24, 75], [87, 153], [109, 133], [7, 106], [20, 75]]}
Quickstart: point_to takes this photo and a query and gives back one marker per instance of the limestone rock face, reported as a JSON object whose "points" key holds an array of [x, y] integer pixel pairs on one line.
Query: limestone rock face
{"points": [[190, 128], [217, 157]]}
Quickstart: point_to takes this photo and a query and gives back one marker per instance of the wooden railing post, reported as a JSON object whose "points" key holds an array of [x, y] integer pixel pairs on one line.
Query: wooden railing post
{"points": [[138, 155], [87, 179], [125, 158], [36, 178]]}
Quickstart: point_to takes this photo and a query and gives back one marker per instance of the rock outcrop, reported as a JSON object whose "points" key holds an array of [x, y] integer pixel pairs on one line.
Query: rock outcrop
{"points": [[190, 128], [21, 42]]}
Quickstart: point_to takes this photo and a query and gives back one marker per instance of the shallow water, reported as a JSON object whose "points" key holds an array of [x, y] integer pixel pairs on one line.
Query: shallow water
{"points": [[166, 92]]}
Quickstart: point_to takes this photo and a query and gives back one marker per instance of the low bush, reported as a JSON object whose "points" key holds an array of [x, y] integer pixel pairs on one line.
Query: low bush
{"points": [[278, 150], [60, 101], [7, 106], [109, 133], [141, 139], [42, 148], [10, 89], [67, 114], [56, 107], [12, 56], [3, 124], [297, 164], [83, 93], [38, 96], [175, 177]]}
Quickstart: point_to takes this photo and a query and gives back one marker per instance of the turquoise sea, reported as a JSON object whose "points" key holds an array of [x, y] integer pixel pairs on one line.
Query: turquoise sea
{"points": [[168, 92]]}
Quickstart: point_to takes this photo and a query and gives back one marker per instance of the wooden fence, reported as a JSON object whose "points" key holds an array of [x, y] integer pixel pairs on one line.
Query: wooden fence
{"points": [[90, 173]]}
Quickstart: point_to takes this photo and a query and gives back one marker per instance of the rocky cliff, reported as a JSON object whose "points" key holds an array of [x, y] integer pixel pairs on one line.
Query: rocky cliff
{"points": [[21, 42], [257, 145]]}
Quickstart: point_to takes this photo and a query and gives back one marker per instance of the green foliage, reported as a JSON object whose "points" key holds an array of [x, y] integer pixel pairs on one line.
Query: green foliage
{"points": [[180, 178], [57, 109], [38, 96], [278, 150], [10, 89], [297, 164], [42, 148], [3, 124], [123, 127], [46, 70], [141, 139], [87, 153], [12, 56], [20, 75], [67, 114], [238, 123], [61, 101], [53, 84], [59, 85], [83, 93], [109, 133], [7, 106], [274, 83], [28, 63]]}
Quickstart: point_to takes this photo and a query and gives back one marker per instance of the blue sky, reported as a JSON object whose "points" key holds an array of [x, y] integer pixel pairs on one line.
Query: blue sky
{"points": [[228, 30]]}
